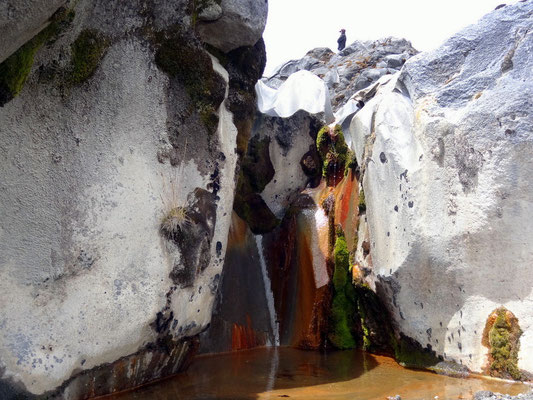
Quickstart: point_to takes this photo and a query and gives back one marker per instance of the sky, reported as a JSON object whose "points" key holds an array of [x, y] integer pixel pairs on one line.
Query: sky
{"points": [[296, 26]]}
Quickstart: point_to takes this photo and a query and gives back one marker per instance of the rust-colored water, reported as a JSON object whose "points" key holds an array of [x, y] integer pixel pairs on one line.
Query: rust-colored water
{"points": [[297, 374]]}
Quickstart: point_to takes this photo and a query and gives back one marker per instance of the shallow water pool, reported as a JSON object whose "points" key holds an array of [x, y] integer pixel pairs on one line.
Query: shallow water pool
{"points": [[278, 373]]}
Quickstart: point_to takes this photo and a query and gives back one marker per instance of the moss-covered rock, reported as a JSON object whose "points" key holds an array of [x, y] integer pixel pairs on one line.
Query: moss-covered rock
{"points": [[409, 353], [333, 151], [181, 56], [343, 308], [362, 201], [88, 50], [502, 336], [14, 71]]}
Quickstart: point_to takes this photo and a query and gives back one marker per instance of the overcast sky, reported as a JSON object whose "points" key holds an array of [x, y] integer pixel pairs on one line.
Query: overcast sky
{"points": [[297, 26]]}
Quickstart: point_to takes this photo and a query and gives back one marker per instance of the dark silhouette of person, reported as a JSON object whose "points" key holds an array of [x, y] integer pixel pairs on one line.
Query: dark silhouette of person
{"points": [[342, 39]]}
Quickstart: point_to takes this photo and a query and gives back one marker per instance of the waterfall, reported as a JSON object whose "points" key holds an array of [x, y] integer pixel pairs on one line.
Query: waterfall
{"points": [[268, 290]]}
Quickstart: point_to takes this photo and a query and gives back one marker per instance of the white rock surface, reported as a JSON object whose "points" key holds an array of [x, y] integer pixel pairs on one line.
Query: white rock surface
{"points": [[301, 91], [448, 184], [84, 270]]}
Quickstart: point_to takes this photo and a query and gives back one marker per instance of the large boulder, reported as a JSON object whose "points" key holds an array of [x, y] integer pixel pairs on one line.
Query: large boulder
{"points": [[446, 158], [118, 176], [241, 23]]}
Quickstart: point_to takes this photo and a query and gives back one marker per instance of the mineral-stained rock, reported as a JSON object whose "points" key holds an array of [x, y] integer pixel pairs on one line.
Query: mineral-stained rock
{"points": [[445, 152], [117, 188]]}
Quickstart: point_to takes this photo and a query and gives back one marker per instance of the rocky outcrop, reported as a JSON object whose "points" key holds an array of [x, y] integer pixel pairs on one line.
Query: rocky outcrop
{"points": [[355, 68], [118, 176], [444, 150], [230, 24]]}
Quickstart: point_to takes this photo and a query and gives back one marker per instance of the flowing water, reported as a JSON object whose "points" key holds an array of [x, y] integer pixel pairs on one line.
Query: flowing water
{"points": [[276, 373], [268, 290]]}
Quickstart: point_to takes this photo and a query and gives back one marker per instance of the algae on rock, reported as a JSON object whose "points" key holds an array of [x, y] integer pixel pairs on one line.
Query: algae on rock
{"points": [[344, 301], [502, 336], [87, 52], [14, 71], [334, 152]]}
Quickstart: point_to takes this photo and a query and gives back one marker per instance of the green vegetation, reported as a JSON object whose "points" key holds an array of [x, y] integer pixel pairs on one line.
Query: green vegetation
{"points": [[343, 307], [352, 162], [181, 57], [362, 201], [333, 150], [174, 222], [14, 70], [87, 52], [410, 354], [504, 345]]}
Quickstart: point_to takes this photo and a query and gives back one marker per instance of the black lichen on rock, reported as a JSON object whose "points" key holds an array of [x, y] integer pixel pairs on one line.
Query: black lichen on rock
{"points": [[191, 229], [245, 66], [256, 172], [181, 56]]}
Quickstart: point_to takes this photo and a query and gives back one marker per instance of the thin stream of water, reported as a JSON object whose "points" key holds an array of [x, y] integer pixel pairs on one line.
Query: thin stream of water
{"points": [[268, 291]]}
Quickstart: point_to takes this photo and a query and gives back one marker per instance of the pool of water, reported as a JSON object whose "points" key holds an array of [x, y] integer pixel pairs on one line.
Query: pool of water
{"points": [[278, 373]]}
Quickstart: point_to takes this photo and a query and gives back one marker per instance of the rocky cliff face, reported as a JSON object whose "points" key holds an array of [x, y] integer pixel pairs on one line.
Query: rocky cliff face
{"points": [[142, 188], [118, 174], [445, 151], [432, 214]]}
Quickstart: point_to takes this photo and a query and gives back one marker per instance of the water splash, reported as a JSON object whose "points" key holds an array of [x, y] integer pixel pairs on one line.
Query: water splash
{"points": [[274, 325]]}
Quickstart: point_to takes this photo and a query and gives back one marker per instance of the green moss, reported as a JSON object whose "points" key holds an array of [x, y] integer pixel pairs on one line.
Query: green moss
{"points": [[504, 345], [182, 57], [87, 52], [410, 354], [332, 149], [343, 308], [352, 162], [14, 71], [362, 201]]}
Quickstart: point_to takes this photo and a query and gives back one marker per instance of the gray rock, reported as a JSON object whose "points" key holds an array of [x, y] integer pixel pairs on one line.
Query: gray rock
{"points": [[357, 66], [446, 152], [210, 13], [487, 395], [20, 20], [242, 24]]}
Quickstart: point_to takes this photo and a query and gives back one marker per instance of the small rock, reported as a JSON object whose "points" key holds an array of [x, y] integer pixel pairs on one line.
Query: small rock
{"points": [[211, 13]]}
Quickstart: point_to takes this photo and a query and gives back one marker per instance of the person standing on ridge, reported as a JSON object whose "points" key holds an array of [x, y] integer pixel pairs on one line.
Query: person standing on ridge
{"points": [[342, 39]]}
